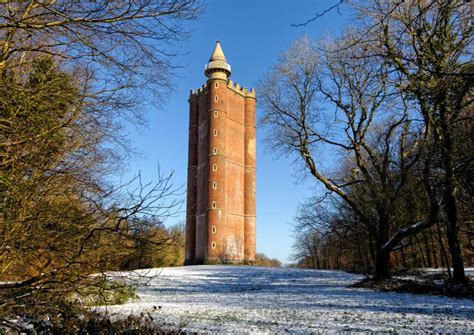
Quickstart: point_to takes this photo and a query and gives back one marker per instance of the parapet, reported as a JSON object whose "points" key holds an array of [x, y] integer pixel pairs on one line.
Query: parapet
{"points": [[235, 87], [198, 92], [243, 91]]}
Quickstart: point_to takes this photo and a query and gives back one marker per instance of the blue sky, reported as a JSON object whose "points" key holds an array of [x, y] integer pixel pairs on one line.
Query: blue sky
{"points": [[252, 35]]}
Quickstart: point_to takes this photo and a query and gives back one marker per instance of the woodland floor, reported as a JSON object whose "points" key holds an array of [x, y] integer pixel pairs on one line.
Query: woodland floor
{"points": [[241, 299]]}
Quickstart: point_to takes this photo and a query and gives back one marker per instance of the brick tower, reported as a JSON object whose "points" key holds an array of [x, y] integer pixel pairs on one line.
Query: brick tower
{"points": [[220, 211]]}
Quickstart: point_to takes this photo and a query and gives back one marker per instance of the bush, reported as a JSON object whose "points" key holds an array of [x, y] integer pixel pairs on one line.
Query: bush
{"points": [[263, 260], [111, 292], [445, 288], [48, 312], [91, 323]]}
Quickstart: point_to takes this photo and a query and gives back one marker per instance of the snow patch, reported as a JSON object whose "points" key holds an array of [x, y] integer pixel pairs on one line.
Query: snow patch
{"points": [[240, 299]]}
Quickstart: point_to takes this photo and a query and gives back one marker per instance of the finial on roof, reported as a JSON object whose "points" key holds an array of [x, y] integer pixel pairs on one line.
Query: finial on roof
{"points": [[217, 66]]}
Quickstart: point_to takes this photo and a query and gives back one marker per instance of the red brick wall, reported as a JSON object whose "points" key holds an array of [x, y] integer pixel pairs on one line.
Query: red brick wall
{"points": [[190, 243], [220, 220], [250, 179]]}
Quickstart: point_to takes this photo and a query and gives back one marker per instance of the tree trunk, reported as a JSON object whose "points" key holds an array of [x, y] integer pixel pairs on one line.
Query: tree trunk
{"points": [[449, 195], [318, 263], [382, 264], [453, 241], [451, 210], [361, 261], [372, 249], [404, 260], [382, 261], [420, 249], [443, 252], [426, 246], [433, 248]]}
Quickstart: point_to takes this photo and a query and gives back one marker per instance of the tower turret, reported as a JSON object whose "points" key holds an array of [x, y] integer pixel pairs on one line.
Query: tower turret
{"points": [[220, 213], [217, 67]]}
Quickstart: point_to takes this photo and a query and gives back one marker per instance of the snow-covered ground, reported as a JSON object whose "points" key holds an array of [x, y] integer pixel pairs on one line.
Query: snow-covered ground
{"points": [[240, 299]]}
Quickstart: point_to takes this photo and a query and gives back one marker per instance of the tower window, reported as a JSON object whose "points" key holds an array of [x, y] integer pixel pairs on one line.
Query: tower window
{"points": [[216, 84], [216, 98], [216, 113], [215, 132], [214, 205], [214, 167], [214, 151], [214, 185], [213, 245], [213, 229]]}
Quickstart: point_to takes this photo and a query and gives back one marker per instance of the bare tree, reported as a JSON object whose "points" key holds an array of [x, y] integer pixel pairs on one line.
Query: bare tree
{"points": [[327, 234], [60, 221], [361, 123], [402, 62], [70, 74], [427, 45], [121, 52], [132, 38]]}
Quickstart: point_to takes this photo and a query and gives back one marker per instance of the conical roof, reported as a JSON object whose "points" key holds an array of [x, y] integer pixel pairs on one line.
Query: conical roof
{"points": [[217, 67], [217, 54]]}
